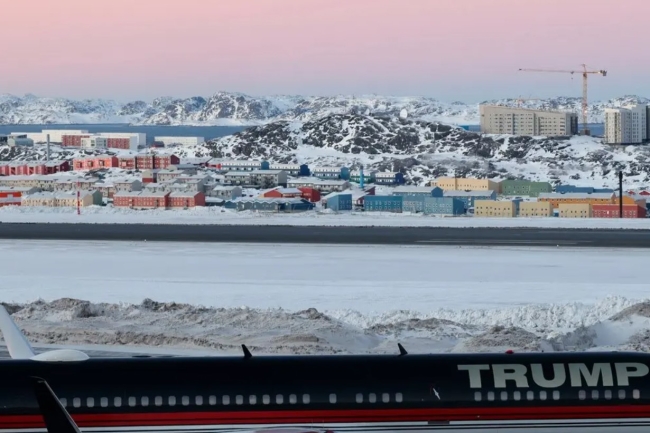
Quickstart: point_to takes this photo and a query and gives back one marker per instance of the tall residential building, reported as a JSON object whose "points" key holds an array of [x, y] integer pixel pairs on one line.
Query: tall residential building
{"points": [[627, 125], [521, 121]]}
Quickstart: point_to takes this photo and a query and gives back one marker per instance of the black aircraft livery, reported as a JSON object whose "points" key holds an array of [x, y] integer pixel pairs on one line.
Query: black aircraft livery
{"points": [[346, 392]]}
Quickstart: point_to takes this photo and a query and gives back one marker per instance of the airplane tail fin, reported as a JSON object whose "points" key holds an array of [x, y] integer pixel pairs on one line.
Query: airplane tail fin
{"points": [[17, 344], [57, 419]]}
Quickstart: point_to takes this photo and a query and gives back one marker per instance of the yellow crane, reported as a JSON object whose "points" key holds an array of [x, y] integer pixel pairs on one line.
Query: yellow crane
{"points": [[585, 73]]}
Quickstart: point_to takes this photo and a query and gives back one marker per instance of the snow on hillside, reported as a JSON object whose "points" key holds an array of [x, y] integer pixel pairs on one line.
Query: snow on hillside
{"points": [[228, 109], [424, 151]]}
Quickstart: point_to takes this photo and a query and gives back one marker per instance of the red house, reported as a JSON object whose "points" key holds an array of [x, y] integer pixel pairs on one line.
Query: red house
{"points": [[11, 196], [164, 161], [126, 162], [283, 193], [141, 200], [311, 194], [612, 211], [53, 167], [73, 140], [186, 199], [144, 162], [95, 162]]}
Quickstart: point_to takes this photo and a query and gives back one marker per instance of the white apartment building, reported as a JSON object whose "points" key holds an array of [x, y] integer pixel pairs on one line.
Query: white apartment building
{"points": [[496, 119], [627, 125], [94, 142], [140, 137], [182, 141]]}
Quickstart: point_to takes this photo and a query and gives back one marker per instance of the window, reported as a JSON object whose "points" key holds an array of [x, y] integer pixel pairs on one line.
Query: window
{"points": [[132, 401], [198, 400], [359, 398], [172, 401], [185, 400], [594, 394], [305, 398], [90, 402], [636, 394], [516, 395], [279, 399], [144, 401], [76, 402], [608, 394], [252, 399], [158, 401], [490, 396], [398, 397], [293, 399], [117, 401], [225, 400], [385, 397], [103, 402], [478, 396], [504, 395], [64, 402], [556, 395], [530, 395], [333, 398], [372, 398], [621, 394], [582, 394]]}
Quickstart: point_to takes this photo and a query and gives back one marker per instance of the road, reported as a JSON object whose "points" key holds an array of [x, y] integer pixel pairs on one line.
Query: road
{"points": [[331, 235]]}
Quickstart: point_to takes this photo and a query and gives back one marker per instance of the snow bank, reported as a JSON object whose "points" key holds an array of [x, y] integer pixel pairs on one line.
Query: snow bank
{"points": [[213, 215], [275, 330]]}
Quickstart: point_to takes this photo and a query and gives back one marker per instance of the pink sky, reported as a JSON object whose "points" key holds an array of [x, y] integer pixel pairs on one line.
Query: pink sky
{"points": [[449, 49]]}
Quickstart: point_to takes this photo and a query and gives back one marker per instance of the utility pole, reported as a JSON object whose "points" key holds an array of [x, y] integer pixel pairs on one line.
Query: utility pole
{"points": [[620, 194], [78, 198]]}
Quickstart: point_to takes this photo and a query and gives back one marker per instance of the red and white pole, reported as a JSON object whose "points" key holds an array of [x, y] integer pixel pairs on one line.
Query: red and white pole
{"points": [[78, 198]]}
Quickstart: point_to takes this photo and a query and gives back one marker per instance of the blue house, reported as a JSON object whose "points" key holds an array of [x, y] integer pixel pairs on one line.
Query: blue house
{"points": [[469, 197], [392, 178], [368, 176], [291, 169], [339, 202], [270, 204], [331, 173], [443, 206], [383, 203]]}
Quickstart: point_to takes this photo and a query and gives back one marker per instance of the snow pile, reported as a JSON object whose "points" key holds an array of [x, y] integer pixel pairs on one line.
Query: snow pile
{"points": [[184, 326], [219, 216]]}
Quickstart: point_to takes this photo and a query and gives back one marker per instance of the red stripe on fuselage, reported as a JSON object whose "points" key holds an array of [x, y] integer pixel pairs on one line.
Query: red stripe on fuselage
{"points": [[337, 416]]}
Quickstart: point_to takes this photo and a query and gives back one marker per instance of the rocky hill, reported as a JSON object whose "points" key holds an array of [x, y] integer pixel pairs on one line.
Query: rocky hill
{"points": [[225, 108], [426, 150]]}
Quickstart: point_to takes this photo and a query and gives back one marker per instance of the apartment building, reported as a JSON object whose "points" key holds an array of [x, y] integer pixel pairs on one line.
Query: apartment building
{"points": [[467, 184], [627, 125], [180, 141], [496, 119], [575, 210], [495, 209], [577, 198], [532, 209]]}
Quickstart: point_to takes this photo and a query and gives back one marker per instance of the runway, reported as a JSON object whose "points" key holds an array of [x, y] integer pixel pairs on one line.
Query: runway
{"points": [[331, 235]]}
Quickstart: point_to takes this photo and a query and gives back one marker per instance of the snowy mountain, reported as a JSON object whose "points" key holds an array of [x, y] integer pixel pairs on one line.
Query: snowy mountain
{"points": [[424, 151], [224, 108]]}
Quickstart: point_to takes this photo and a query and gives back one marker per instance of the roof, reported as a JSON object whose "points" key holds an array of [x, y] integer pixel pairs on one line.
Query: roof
{"points": [[386, 174], [266, 200], [330, 182], [475, 193], [319, 169], [239, 173], [288, 190], [576, 195], [60, 194], [188, 194], [152, 194], [76, 180], [225, 187], [426, 189], [28, 177], [267, 171], [239, 162], [294, 166], [16, 188]]}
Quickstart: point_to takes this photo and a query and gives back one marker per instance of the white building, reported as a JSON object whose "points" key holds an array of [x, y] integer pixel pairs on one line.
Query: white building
{"points": [[626, 125], [94, 142], [56, 135], [182, 141]]}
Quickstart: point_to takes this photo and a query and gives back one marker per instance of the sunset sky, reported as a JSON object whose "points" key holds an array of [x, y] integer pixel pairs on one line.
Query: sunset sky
{"points": [[466, 50]]}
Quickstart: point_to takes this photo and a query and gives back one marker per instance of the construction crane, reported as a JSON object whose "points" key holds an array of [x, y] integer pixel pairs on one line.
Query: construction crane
{"points": [[585, 73]]}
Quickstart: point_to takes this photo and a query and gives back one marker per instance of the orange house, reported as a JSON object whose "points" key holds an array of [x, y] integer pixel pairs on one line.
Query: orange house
{"points": [[578, 198]]}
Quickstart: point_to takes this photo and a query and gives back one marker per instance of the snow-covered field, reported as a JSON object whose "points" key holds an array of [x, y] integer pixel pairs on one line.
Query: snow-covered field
{"points": [[214, 215], [326, 299]]}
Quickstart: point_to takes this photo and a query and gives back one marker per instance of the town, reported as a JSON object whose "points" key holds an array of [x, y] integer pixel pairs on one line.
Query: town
{"points": [[143, 177]]}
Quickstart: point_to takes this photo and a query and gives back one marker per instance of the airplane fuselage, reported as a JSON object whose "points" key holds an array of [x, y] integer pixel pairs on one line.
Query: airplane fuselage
{"points": [[338, 392]]}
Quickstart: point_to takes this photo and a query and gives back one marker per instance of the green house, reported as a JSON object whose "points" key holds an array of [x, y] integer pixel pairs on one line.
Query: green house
{"points": [[524, 187]]}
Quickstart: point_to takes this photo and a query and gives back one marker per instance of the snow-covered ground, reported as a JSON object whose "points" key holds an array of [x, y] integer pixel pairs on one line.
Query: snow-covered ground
{"points": [[325, 299], [215, 215]]}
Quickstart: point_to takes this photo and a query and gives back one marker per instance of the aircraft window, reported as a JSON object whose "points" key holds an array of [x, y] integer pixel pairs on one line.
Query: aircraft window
{"points": [[608, 394], [185, 400], [131, 401], [594, 394], [117, 401], [103, 402], [372, 397], [636, 394], [158, 401], [225, 399], [556, 395], [582, 394], [530, 395], [516, 395], [266, 399], [90, 402], [252, 399], [398, 397], [490, 396], [64, 402], [172, 401], [385, 397], [305, 398], [212, 400], [239, 399], [478, 396], [542, 395], [621, 394], [279, 399], [198, 400], [359, 398], [76, 402], [504, 395], [144, 401], [333, 398], [293, 399]]}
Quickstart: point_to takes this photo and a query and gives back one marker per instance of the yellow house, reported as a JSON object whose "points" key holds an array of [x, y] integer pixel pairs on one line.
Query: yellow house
{"points": [[494, 209], [575, 210], [63, 199], [466, 184], [530, 209]]}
